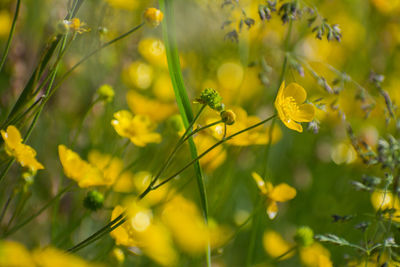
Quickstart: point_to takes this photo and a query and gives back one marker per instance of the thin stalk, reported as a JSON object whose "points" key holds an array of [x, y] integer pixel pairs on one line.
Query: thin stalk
{"points": [[100, 232], [10, 35], [66, 75], [20, 206], [33, 216], [209, 149], [3, 212], [285, 254], [181, 140]]}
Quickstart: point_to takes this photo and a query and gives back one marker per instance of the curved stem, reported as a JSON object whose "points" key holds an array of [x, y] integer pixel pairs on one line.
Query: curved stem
{"points": [[10, 36]]}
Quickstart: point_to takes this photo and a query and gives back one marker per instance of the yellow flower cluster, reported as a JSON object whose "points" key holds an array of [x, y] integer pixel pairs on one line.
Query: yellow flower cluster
{"points": [[314, 255], [24, 154], [137, 128], [273, 194], [179, 223]]}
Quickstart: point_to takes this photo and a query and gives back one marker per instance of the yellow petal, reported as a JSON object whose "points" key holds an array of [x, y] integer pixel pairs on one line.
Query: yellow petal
{"points": [[305, 113], [296, 91], [293, 125], [12, 137], [260, 182], [272, 209], [282, 192]]}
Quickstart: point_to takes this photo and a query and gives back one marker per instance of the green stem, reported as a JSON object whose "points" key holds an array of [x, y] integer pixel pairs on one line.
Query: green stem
{"points": [[208, 150], [33, 216], [10, 36], [98, 234], [285, 254]]}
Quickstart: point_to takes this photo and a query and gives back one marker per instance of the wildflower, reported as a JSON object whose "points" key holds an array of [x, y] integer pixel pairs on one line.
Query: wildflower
{"points": [[212, 159], [139, 75], [153, 50], [84, 173], [14, 254], [315, 256], [186, 223], [137, 128], [76, 25], [145, 233], [211, 98], [276, 246], [280, 193], [5, 23], [156, 110], [106, 93], [289, 103], [153, 16], [93, 200], [24, 154]]}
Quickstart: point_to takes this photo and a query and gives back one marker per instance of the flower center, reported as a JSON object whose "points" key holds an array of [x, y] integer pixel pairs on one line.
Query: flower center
{"points": [[289, 107]]}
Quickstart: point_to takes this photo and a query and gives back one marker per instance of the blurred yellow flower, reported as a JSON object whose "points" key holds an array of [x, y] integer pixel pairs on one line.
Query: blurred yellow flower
{"points": [[109, 167], [79, 170], [280, 193], [13, 254], [139, 75], [315, 256], [76, 25], [343, 153], [382, 200], [212, 159], [141, 230], [276, 246], [256, 136], [156, 110], [153, 16], [153, 50], [24, 154], [163, 88], [124, 4], [50, 257], [137, 128], [5, 23], [290, 107], [188, 228]]}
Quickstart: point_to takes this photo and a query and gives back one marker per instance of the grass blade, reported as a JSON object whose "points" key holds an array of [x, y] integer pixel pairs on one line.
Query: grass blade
{"points": [[182, 98]]}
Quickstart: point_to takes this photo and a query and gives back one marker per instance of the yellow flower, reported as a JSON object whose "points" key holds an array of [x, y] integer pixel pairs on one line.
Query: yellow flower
{"points": [[212, 159], [188, 228], [276, 246], [5, 23], [141, 230], [24, 154], [84, 173], [13, 254], [382, 200], [137, 128], [315, 256], [139, 75], [153, 50], [153, 16], [124, 4], [76, 25], [156, 110], [289, 103], [280, 193]]}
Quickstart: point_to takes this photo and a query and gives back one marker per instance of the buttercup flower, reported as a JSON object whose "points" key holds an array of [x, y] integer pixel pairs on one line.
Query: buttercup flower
{"points": [[153, 16], [137, 128], [84, 173], [280, 193], [24, 154], [291, 108]]}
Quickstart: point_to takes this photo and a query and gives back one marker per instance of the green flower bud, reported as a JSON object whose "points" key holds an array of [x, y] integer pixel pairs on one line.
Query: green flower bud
{"points": [[304, 236], [106, 93], [228, 116], [93, 200], [211, 98]]}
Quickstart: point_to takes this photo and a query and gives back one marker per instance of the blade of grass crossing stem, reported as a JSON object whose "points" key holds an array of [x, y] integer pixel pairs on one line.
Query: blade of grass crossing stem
{"points": [[182, 98]]}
